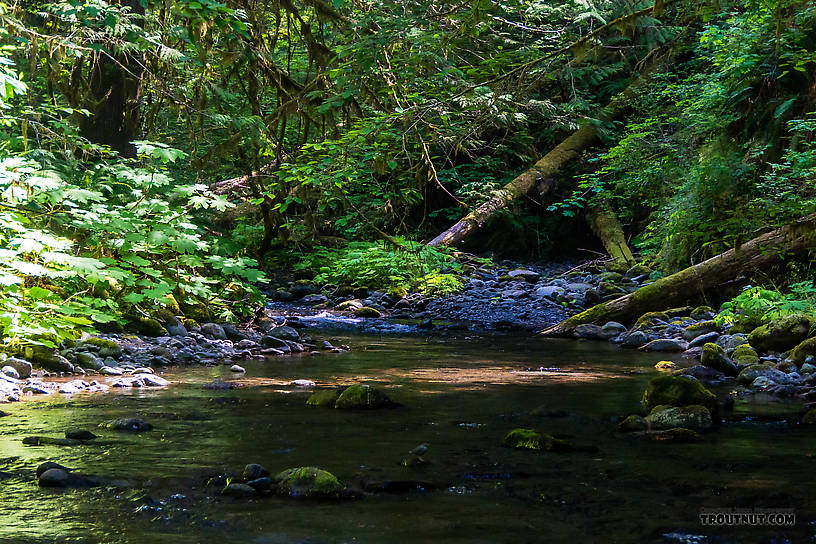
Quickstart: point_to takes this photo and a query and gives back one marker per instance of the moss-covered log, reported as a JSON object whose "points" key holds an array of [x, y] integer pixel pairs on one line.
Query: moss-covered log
{"points": [[604, 223], [699, 279], [535, 176]]}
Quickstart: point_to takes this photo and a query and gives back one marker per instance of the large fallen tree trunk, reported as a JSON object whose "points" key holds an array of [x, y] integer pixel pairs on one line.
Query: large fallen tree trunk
{"points": [[696, 280], [545, 168]]}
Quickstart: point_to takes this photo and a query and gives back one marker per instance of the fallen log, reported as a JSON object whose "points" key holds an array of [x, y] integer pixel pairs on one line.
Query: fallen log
{"points": [[698, 279], [604, 223], [541, 171]]}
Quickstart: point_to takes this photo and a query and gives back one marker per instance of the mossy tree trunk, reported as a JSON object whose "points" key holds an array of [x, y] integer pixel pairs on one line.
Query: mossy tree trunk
{"points": [[700, 279], [604, 223], [541, 171]]}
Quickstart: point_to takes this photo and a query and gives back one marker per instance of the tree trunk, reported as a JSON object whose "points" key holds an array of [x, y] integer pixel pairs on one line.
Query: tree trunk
{"points": [[115, 85], [604, 223], [696, 280], [545, 168]]}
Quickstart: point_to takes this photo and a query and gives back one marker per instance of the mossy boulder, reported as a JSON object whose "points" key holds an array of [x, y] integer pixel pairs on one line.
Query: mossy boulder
{"points": [[803, 350], [147, 326], [689, 417], [308, 482], [764, 370], [362, 397], [366, 311], [783, 333], [744, 355], [48, 359], [103, 346], [533, 440], [666, 365], [677, 391], [713, 356], [651, 319], [349, 305], [325, 398]]}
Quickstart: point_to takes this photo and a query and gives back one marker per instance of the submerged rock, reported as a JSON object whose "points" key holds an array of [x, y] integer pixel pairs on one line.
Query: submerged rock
{"points": [[633, 423], [533, 440], [308, 482], [362, 397], [325, 398], [676, 436], [677, 391], [48, 441], [690, 417], [665, 344], [234, 489], [80, 434], [253, 471], [128, 424]]}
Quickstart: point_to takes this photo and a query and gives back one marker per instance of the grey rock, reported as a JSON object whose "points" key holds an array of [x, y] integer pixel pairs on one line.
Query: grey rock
{"points": [[665, 344], [704, 339], [129, 424], [314, 299], [588, 331], [285, 333], [635, 340], [213, 330], [612, 329], [238, 490], [526, 275], [236, 368], [253, 471], [89, 360], [22, 366], [11, 372], [549, 291]]}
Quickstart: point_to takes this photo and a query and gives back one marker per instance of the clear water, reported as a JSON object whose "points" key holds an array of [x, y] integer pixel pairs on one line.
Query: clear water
{"points": [[460, 395]]}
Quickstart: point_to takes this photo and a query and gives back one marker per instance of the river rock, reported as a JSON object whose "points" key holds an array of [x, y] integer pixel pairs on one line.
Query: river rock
{"points": [[89, 360], [285, 333], [690, 417], [677, 435], [308, 482], [366, 311], [677, 391], [744, 355], [533, 440], [349, 305], [302, 383], [314, 299], [588, 331], [633, 423], [80, 434], [549, 291], [713, 356], [635, 339], [104, 347], [236, 368], [129, 424], [22, 366], [703, 312], [665, 344], [698, 329], [803, 350], [705, 375], [612, 329], [235, 489], [764, 370], [704, 339], [732, 341], [358, 397], [213, 330], [253, 471], [782, 334], [325, 398], [49, 441], [11, 372], [54, 477], [524, 274], [151, 380]]}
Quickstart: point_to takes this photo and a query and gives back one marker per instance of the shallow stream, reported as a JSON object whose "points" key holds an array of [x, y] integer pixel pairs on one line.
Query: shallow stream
{"points": [[460, 394]]}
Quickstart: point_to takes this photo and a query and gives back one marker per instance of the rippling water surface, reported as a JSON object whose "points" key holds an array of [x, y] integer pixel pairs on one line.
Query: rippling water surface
{"points": [[460, 395]]}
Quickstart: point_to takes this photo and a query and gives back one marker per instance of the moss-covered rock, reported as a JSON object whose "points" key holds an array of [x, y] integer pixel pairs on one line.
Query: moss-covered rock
{"points": [[362, 397], [366, 311], [533, 440], [48, 359], [703, 312], [325, 398], [677, 391], [148, 326], [713, 356], [745, 355], [633, 423], [103, 346], [651, 319], [803, 350], [783, 333], [698, 329], [689, 417], [666, 365], [349, 305], [748, 374], [308, 482]]}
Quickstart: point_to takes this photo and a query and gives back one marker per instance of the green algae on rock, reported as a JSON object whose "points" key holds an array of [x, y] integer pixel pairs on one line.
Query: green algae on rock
{"points": [[783, 333], [308, 482], [362, 397], [325, 398], [677, 391]]}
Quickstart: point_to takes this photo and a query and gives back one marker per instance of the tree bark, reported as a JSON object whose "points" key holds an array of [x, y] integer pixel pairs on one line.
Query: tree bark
{"points": [[696, 280], [546, 167], [604, 223]]}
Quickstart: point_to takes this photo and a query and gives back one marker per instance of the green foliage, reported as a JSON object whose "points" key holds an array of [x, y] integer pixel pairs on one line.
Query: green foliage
{"points": [[380, 266], [759, 305]]}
